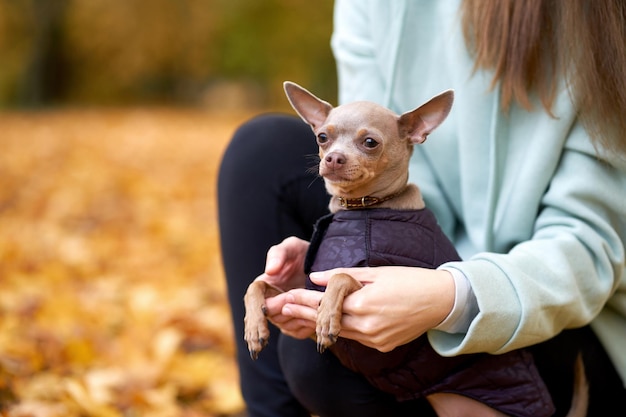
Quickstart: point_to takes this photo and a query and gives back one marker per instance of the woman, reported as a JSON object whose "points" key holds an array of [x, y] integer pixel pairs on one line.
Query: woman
{"points": [[527, 176]]}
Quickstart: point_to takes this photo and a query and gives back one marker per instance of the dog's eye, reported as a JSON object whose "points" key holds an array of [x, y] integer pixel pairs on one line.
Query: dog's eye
{"points": [[370, 143], [322, 138]]}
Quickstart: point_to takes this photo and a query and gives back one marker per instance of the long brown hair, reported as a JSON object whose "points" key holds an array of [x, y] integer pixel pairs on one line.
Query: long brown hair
{"points": [[533, 44]]}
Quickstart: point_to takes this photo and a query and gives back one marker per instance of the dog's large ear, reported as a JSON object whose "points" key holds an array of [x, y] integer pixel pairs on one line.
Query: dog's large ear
{"points": [[310, 108], [419, 123]]}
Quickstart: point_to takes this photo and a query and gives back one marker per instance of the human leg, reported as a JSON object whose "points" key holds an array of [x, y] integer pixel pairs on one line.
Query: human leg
{"points": [[266, 193]]}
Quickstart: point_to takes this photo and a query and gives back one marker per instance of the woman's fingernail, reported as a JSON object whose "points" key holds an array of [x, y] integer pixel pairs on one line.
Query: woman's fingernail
{"points": [[287, 311]]}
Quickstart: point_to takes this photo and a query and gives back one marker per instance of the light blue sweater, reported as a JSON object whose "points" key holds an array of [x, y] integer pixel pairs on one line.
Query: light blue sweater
{"points": [[538, 218]]}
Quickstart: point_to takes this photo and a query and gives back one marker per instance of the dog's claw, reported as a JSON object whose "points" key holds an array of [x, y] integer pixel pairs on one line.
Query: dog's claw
{"points": [[324, 342], [258, 347]]}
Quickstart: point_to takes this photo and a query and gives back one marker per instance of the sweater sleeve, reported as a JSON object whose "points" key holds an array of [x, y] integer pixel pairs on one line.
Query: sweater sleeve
{"points": [[359, 77], [565, 273]]}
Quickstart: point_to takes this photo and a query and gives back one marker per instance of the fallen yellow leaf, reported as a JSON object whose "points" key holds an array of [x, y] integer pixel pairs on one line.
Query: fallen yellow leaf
{"points": [[112, 297]]}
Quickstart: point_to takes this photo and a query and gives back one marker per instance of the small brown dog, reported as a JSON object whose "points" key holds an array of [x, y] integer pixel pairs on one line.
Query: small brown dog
{"points": [[364, 152]]}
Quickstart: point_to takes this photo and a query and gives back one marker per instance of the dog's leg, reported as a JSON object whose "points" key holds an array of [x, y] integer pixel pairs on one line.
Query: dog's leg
{"points": [[330, 309], [256, 330]]}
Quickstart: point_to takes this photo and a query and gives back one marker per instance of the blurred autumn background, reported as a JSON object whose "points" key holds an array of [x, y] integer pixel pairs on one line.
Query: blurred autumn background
{"points": [[113, 119]]}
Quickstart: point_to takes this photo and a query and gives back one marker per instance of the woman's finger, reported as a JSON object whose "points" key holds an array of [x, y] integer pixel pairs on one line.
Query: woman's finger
{"points": [[301, 312], [365, 275], [298, 329], [310, 298], [275, 259], [274, 305]]}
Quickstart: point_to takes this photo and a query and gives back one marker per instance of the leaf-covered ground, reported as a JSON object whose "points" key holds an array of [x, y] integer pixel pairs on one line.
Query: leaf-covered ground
{"points": [[112, 295]]}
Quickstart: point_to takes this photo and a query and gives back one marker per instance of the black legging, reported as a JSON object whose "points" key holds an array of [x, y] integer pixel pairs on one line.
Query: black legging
{"points": [[264, 195], [268, 189]]}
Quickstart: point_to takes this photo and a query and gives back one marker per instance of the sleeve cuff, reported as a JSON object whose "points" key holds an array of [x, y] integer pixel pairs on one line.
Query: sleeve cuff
{"points": [[465, 307]]}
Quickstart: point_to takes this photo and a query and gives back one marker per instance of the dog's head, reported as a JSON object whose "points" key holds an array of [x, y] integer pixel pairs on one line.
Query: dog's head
{"points": [[364, 148]]}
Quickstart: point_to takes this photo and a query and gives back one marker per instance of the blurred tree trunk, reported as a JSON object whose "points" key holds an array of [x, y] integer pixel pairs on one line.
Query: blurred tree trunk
{"points": [[46, 73]]}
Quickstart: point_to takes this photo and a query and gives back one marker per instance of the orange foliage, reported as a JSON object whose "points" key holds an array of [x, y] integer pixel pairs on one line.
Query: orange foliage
{"points": [[112, 296]]}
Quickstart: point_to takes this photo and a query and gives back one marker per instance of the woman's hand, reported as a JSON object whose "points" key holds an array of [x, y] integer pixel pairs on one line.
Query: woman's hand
{"points": [[284, 269], [284, 264], [396, 305], [294, 312]]}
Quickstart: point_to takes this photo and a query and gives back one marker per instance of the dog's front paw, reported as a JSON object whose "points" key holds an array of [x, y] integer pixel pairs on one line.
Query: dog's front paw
{"points": [[256, 333], [329, 312], [328, 324]]}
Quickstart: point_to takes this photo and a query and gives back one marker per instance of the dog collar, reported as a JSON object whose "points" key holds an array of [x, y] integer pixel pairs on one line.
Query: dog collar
{"points": [[363, 202]]}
